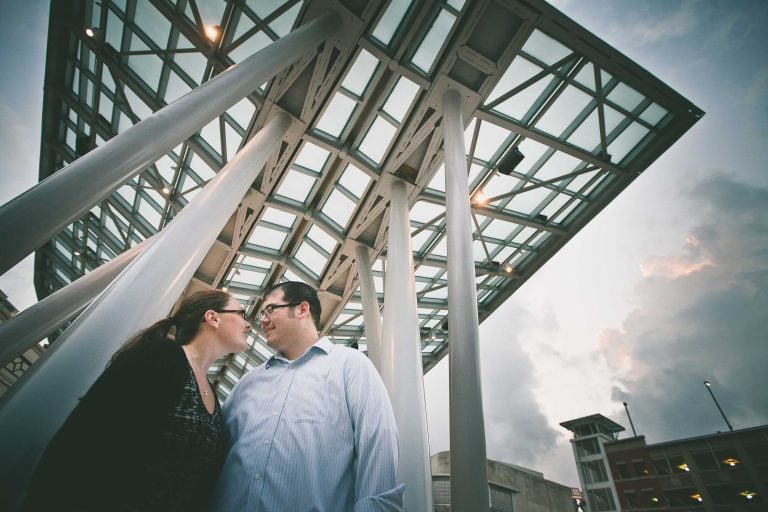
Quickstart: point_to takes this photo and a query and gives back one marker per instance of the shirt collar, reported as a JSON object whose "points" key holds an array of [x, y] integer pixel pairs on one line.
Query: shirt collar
{"points": [[323, 344]]}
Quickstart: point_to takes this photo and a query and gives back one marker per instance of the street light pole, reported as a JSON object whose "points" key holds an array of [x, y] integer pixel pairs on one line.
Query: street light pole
{"points": [[709, 388]]}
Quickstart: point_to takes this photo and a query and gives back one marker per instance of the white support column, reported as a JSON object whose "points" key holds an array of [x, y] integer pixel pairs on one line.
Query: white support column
{"points": [[401, 366], [21, 332], [32, 411], [469, 481], [72, 191], [371, 315]]}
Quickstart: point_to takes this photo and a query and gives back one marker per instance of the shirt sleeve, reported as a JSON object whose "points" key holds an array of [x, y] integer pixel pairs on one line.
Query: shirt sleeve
{"points": [[376, 443]]}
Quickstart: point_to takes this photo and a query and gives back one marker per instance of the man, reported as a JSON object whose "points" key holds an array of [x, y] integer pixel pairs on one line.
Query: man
{"points": [[312, 428]]}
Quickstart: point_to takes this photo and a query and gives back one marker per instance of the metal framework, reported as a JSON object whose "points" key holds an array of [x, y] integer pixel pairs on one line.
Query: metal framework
{"points": [[558, 124]]}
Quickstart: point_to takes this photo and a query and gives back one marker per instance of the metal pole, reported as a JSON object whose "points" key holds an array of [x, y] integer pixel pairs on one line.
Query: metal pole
{"points": [[709, 388], [401, 366], [469, 481], [32, 411], [21, 332], [72, 191], [371, 315], [626, 408]]}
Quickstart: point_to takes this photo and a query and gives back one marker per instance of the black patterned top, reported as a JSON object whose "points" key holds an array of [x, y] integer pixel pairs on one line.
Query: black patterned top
{"points": [[192, 452], [140, 439]]}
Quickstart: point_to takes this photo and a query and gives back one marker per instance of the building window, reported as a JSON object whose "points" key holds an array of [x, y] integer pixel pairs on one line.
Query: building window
{"points": [[441, 490], [622, 470], [601, 500], [705, 461], [502, 499], [641, 468], [587, 447], [686, 497], [661, 466], [679, 464], [594, 471]]}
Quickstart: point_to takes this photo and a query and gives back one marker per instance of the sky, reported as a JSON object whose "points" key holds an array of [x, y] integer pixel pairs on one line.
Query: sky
{"points": [[665, 288]]}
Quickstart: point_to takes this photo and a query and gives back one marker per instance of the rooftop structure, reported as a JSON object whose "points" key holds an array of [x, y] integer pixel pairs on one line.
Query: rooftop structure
{"points": [[557, 124]]}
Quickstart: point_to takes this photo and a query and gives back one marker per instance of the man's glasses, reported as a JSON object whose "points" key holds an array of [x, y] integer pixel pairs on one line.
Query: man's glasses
{"points": [[269, 310], [240, 312]]}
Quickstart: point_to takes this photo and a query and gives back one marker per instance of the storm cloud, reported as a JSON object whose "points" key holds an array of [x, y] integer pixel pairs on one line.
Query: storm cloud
{"points": [[702, 316]]}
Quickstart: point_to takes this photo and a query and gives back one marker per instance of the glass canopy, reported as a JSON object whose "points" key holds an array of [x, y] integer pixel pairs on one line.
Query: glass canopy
{"points": [[557, 124]]}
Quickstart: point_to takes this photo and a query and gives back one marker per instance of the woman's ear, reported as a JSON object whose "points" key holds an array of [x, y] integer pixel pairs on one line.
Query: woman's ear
{"points": [[211, 317]]}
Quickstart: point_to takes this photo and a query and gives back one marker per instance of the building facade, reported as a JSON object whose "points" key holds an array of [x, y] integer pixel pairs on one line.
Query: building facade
{"points": [[722, 472], [511, 488]]}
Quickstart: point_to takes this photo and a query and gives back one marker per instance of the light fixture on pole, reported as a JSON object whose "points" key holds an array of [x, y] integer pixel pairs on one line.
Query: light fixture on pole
{"points": [[709, 388]]}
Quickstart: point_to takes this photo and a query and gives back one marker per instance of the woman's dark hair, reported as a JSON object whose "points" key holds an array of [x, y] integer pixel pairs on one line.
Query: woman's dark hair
{"points": [[296, 292], [186, 320]]}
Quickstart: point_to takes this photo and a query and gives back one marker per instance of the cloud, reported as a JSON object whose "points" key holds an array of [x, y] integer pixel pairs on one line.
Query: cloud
{"points": [[701, 316]]}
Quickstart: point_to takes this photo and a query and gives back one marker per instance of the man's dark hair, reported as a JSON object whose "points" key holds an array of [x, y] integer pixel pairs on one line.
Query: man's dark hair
{"points": [[296, 292]]}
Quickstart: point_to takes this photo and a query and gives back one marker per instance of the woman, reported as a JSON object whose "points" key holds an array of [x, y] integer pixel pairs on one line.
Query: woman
{"points": [[149, 434]]}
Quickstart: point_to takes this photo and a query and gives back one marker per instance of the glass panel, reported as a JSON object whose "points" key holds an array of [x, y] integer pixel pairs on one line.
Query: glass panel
{"points": [[154, 24], [390, 21], [400, 99], [339, 208], [278, 217], [625, 97], [296, 186], [545, 48], [250, 46], [266, 237], [312, 157], [148, 67], [430, 47], [309, 257], [489, 140], [336, 116], [354, 180], [377, 140], [653, 114], [563, 112], [518, 72], [321, 238], [625, 142], [360, 73], [518, 105]]}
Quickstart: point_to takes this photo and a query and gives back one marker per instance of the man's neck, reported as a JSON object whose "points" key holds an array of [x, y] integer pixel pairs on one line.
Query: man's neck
{"points": [[301, 346]]}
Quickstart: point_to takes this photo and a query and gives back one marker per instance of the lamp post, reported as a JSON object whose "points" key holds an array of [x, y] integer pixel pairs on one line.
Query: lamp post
{"points": [[709, 388]]}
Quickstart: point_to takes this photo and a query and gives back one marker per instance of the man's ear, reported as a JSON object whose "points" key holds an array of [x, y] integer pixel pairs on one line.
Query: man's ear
{"points": [[304, 308]]}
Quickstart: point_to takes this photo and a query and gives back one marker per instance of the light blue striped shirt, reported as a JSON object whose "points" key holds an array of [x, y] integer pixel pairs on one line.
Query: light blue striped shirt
{"points": [[313, 434]]}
